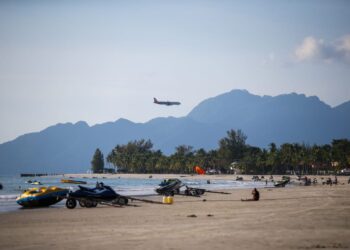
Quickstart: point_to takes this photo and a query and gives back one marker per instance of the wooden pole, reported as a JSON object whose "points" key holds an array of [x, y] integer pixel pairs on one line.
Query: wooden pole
{"points": [[216, 192], [143, 200]]}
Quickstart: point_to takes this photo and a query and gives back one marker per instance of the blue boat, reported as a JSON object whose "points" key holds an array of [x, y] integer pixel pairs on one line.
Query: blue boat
{"points": [[41, 197]]}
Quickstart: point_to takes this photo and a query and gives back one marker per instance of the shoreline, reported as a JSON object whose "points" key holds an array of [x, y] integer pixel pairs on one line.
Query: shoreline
{"points": [[301, 217], [188, 176], [209, 182]]}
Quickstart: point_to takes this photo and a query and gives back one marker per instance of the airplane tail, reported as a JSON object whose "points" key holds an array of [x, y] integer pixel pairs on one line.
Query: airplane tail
{"points": [[155, 100]]}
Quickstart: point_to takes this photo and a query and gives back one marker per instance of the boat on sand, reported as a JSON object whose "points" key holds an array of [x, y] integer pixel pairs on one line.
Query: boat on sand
{"points": [[41, 196], [90, 197], [169, 187], [281, 183]]}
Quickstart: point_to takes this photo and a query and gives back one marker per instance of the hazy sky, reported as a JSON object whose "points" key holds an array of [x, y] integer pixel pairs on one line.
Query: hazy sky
{"points": [[98, 61]]}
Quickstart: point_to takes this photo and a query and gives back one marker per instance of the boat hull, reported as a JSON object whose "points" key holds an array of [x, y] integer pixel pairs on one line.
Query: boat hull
{"points": [[41, 197], [281, 183]]}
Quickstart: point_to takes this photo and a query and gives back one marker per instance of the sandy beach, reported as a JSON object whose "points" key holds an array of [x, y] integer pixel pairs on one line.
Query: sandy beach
{"points": [[297, 217]]}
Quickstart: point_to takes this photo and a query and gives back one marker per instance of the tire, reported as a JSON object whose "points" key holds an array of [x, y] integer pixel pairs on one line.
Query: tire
{"points": [[71, 203], [94, 204], [89, 203], [200, 191], [193, 192], [82, 203], [122, 201]]}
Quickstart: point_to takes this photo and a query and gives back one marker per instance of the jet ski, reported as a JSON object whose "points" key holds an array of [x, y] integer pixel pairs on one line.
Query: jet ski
{"points": [[40, 197], [169, 187], [90, 197]]}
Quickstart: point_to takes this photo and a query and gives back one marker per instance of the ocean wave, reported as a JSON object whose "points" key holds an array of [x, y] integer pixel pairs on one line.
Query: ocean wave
{"points": [[192, 182], [8, 197]]}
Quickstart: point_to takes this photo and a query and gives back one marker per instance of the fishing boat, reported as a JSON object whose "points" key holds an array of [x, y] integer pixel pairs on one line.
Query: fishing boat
{"points": [[169, 187], [41, 197], [73, 181]]}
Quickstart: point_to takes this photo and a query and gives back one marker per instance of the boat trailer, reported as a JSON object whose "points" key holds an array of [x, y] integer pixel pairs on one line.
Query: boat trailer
{"points": [[120, 201]]}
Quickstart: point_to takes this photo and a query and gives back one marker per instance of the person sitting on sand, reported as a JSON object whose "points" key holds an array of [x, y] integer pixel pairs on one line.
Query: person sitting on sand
{"points": [[256, 196]]}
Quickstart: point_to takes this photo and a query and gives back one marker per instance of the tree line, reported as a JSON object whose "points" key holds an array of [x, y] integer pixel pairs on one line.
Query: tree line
{"points": [[232, 154]]}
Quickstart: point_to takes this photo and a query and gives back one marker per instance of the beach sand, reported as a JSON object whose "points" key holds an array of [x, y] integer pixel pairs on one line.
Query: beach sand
{"points": [[298, 217]]}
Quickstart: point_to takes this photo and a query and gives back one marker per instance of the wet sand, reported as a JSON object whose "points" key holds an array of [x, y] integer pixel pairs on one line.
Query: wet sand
{"points": [[299, 217]]}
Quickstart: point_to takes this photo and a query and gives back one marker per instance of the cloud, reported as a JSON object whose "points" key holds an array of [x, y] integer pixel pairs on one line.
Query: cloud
{"points": [[308, 49], [343, 47], [314, 50]]}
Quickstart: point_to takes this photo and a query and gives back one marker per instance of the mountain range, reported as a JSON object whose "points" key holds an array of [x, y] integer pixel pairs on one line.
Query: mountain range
{"points": [[67, 148]]}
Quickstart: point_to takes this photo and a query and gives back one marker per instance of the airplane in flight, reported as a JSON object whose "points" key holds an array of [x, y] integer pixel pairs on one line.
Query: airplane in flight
{"points": [[165, 102]]}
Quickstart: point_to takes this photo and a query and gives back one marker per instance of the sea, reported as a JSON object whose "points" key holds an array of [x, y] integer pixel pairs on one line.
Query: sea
{"points": [[13, 186]]}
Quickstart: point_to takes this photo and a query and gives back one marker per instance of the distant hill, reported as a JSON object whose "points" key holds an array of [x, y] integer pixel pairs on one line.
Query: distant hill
{"points": [[264, 119], [284, 118]]}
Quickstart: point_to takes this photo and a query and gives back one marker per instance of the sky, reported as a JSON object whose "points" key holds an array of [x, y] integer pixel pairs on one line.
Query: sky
{"points": [[98, 61]]}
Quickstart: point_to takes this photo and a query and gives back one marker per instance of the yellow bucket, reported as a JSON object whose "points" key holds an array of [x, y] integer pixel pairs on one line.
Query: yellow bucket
{"points": [[168, 200]]}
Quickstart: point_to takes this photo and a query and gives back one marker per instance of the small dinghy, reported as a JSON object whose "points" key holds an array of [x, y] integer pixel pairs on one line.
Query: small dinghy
{"points": [[36, 183], [281, 183], [41, 197]]}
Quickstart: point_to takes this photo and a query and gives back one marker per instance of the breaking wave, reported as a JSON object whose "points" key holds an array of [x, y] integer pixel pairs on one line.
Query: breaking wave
{"points": [[8, 197]]}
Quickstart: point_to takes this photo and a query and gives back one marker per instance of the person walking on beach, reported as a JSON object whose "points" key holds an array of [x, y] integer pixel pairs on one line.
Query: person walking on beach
{"points": [[256, 196]]}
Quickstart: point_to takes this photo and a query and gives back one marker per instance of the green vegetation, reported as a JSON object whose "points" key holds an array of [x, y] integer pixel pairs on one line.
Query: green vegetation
{"points": [[233, 153], [97, 162]]}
